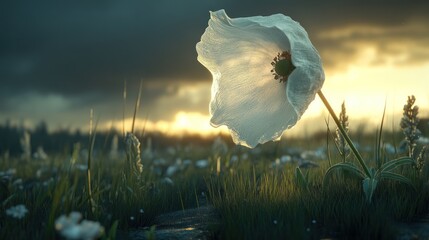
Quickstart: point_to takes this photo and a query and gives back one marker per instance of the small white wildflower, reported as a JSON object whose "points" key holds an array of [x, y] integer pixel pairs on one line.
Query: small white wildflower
{"points": [[8, 173], [186, 162], [203, 163], [141, 210], [81, 167], [17, 182], [18, 211], [40, 154], [167, 181], [276, 163], [70, 227], [285, 159], [423, 140], [132, 218], [171, 170], [314, 221], [39, 173], [389, 148], [160, 162], [48, 182], [275, 222]]}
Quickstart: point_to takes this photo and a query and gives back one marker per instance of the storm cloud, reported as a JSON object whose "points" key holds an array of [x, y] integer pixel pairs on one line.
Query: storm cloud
{"points": [[80, 53]]}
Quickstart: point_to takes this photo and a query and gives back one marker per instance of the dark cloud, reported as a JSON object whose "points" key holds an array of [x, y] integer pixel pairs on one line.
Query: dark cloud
{"points": [[86, 49]]}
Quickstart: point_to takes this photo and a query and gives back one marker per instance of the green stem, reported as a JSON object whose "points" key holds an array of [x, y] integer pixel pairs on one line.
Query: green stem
{"points": [[343, 132]]}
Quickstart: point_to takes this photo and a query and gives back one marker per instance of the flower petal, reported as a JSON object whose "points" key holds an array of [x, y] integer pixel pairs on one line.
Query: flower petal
{"points": [[245, 97], [308, 77]]}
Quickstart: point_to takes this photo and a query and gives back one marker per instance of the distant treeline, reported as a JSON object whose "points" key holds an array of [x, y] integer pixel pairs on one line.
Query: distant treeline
{"points": [[63, 140]]}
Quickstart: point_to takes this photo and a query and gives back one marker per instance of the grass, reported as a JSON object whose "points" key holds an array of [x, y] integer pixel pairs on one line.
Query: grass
{"points": [[270, 205], [256, 194]]}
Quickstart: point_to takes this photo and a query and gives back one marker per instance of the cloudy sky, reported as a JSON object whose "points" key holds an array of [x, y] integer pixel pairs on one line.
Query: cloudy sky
{"points": [[59, 59]]}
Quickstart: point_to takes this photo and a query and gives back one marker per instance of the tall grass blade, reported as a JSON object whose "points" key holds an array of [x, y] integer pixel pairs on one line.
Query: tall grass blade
{"points": [[397, 177], [301, 179], [136, 106], [92, 134], [396, 163], [344, 166], [124, 95]]}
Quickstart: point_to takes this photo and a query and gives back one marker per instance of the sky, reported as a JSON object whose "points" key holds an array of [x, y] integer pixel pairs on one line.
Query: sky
{"points": [[60, 59]]}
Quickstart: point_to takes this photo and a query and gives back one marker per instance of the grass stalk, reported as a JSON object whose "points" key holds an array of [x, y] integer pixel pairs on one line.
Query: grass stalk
{"points": [[90, 150], [137, 106], [344, 133]]}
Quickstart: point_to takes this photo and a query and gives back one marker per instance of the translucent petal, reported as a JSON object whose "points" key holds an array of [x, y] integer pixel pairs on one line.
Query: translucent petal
{"points": [[245, 96], [308, 77]]}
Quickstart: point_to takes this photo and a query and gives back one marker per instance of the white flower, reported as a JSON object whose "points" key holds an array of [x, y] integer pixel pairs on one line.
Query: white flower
{"points": [[167, 181], [203, 163], [244, 56], [18, 211], [171, 170], [70, 227]]}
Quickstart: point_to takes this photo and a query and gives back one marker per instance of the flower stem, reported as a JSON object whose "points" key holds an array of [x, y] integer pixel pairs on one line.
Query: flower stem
{"points": [[345, 135]]}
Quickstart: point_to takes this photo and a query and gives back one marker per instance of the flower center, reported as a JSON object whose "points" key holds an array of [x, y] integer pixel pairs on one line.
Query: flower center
{"points": [[282, 66]]}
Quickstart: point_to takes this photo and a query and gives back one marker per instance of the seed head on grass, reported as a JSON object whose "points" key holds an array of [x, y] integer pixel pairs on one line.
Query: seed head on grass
{"points": [[25, 142], [134, 163], [420, 160], [409, 123], [342, 146]]}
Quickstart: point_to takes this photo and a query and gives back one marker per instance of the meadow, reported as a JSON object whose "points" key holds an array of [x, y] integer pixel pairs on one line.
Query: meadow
{"points": [[275, 191]]}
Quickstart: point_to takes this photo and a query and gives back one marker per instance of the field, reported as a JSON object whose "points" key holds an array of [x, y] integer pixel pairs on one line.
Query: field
{"points": [[276, 191]]}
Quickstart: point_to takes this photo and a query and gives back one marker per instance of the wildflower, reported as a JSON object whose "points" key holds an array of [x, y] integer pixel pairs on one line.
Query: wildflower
{"points": [[171, 170], [203, 163], [265, 71], [81, 167], [342, 146], [8, 174], [409, 124], [420, 161], [18, 211], [40, 154], [70, 227], [234, 158], [187, 162], [167, 181]]}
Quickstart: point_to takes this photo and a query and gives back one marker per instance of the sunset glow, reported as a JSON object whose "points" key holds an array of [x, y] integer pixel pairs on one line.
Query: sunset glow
{"points": [[183, 123], [368, 62]]}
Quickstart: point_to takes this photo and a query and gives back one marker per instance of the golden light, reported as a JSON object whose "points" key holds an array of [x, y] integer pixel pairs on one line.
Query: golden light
{"points": [[182, 123]]}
